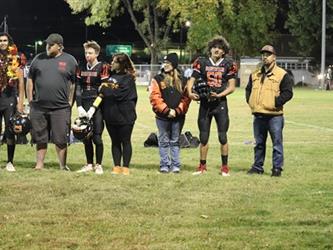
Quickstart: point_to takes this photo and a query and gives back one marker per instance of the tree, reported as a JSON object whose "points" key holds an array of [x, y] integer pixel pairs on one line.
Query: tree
{"points": [[151, 22], [304, 22], [246, 24]]}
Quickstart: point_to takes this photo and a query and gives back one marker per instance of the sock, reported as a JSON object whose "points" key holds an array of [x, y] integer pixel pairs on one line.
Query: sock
{"points": [[224, 159], [203, 162]]}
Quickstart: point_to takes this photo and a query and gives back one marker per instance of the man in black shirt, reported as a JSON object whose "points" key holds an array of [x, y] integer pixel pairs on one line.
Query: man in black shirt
{"points": [[51, 87]]}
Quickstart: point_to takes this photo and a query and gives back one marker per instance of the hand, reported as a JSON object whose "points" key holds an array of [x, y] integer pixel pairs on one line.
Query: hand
{"points": [[19, 108], [91, 112], [172, 113], [214, 94], [82, 112], [194, 96]]}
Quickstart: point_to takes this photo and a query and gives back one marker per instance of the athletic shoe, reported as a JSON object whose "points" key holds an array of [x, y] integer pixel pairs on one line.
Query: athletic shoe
{"points": [[10, 167], [116, 170], [253, 171], [86, 168], [164, 170], [225, 170], [126, 171], [175, 170], [98, 169], [65, 168], [276, 172], [201, 169]]}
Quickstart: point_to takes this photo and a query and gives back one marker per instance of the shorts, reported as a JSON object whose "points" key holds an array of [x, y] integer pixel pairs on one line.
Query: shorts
{"points": [[50, 125]]}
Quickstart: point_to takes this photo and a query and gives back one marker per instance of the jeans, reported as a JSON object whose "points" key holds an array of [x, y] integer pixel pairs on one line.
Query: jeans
{"points": [[168, 143], [261, 126]]}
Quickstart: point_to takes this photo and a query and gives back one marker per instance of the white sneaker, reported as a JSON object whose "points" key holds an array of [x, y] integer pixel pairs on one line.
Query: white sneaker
{"points": [[86, 168], [98, 169], [10, 167]]}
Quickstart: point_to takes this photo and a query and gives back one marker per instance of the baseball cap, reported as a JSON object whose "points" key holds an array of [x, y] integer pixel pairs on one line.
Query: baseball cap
{"points": [[268, 48], [54, 38]]}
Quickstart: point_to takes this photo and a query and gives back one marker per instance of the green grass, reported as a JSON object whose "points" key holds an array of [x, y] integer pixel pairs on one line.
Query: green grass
{"points": [[51, 209]]}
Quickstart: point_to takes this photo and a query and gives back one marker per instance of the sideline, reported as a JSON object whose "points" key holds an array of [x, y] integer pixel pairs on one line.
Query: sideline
{"points": [[309, 125]]}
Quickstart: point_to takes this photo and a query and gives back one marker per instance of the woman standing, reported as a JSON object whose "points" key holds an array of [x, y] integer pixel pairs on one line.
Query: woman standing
{"points": [[119, 101], [170, 103]]}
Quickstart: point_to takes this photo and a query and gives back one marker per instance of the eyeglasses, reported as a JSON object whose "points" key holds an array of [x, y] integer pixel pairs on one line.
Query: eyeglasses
{"points": [[5, 40]]}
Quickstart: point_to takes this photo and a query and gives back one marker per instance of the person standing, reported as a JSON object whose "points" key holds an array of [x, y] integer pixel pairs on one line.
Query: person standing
{"points": [[170, 102], [11, 87], [218, 73], [118, 106], [90, 77], [51, 87], [268, 89]]}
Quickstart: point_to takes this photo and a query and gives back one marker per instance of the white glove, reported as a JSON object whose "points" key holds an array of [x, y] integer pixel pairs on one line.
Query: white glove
{"points": [[91, 112], [82, 112]]}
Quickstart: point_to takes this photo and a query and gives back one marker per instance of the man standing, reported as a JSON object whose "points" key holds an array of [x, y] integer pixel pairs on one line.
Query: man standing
{"points": [[51, 87], [218, 74], [268, 89], [11, 86]]}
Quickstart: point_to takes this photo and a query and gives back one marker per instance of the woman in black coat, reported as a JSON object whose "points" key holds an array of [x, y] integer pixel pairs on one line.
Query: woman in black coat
{"points": [[119, 101]]}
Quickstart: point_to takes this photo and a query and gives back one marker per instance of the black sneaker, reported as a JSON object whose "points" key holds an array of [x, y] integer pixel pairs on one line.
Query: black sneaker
{"points": [[276, 172], [253, 171]]}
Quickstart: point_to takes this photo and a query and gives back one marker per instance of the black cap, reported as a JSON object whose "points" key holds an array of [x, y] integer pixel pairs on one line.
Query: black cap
{"points": [[269, 49], [54, 38], [172, 58]]}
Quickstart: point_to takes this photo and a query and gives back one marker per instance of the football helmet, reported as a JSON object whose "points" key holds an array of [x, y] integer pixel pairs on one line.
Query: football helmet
{"points": [[19, 124], [202, 89], [82, 128]]}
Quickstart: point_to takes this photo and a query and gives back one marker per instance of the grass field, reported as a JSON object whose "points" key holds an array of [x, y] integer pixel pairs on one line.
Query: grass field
{"points": [[51, 209]]}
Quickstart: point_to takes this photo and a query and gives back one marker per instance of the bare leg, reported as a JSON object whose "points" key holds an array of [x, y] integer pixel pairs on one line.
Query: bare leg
{"points": [[40, 155], [203, 151], [62, 155]]}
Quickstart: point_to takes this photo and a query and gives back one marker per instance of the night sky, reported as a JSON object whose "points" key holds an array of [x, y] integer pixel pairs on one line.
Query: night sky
{"points": [[33, 20]]}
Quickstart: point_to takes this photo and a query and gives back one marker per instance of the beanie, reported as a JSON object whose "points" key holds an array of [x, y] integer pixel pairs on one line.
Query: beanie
{"points": [[173, 59]]}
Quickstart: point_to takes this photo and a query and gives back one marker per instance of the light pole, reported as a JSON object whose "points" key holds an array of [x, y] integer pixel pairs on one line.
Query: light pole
{"points": [[186, 25], [39, 42], [323, 44]]}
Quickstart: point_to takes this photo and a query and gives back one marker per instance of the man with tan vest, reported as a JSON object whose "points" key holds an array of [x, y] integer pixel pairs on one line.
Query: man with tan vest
{"points": [[268, 89]]}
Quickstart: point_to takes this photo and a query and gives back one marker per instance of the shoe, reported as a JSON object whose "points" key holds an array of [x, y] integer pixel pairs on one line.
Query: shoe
{"points": [[253, 171], [126, 171], [276, 172], [98, 169], [164, 170], [201, 169], [10, 167], [65, 168], [225, 170], [116, 170], [86, 168], [175, 170]]}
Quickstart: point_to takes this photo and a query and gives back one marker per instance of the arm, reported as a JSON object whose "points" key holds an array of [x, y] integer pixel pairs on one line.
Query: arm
{"points": [[184, 104], [20, 90], [30, 89], [156, 100], [248, 89], [191, 94], [71, 93], [230, 89], [286, 91]]}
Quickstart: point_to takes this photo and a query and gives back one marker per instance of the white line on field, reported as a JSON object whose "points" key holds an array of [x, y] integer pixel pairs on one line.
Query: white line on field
{"points": [[309, 125]]}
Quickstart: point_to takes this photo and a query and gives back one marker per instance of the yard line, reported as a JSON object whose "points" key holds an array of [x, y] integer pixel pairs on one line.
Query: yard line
{"points": [[309, 125]]}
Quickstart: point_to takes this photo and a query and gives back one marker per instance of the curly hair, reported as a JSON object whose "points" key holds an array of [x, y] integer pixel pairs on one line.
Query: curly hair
{"points": [[218, 41]]}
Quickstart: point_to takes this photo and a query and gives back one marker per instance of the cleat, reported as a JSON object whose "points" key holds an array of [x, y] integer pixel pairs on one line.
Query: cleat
{"points": [[225, 170], [202, 168]]}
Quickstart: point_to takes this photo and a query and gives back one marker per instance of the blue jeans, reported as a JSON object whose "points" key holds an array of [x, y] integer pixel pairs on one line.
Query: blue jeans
{"points": [[261, 126], [168, 143]]}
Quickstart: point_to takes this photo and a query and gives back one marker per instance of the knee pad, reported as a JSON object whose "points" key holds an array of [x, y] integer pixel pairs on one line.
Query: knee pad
{"points": [[203, 138], [97, 139], [223, 138]]}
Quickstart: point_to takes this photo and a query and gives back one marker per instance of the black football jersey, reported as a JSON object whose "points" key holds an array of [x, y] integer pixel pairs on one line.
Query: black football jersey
{"points": [[216, 75], [90, 78]]}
